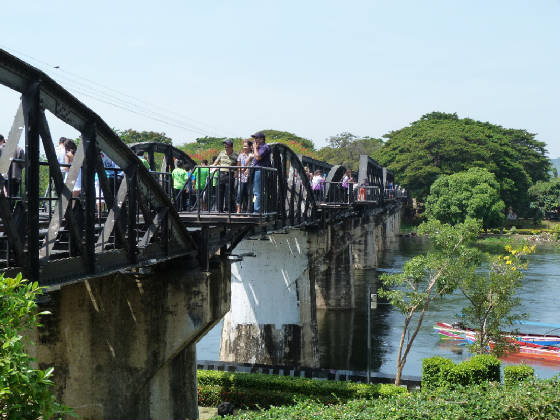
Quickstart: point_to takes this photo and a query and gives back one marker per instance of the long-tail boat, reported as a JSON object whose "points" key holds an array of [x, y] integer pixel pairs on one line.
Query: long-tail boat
{"points": [[525, 350], [459, 332]]}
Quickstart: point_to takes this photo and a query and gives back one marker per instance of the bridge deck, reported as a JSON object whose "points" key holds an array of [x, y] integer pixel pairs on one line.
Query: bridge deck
{"points": [[194, 218], [124, 214]]}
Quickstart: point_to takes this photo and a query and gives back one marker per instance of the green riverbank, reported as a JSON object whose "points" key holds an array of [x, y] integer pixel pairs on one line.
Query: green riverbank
{"points": [[523, 397]]}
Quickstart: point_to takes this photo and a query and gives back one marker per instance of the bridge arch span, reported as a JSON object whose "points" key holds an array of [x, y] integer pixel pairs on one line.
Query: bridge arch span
{"points": [[168, 151], [335, 175], [297, 204], [73, 241]]}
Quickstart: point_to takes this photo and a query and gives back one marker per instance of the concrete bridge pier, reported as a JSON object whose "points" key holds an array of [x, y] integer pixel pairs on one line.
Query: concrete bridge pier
{"points": [[275, 296], [332, 265], [123, 346], [371, 236]]}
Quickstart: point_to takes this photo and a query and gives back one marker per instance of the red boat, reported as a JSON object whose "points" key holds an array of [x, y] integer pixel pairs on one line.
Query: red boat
{"points": [[526, 350], [459, 332]]}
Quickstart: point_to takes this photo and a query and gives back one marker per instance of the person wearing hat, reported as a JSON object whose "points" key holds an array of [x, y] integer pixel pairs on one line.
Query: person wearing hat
{"points": [[226, 177], [261, 158]]}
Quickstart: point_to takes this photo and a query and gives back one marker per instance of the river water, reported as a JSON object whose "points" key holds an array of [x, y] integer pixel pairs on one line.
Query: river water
{"points": [[343, 333]]}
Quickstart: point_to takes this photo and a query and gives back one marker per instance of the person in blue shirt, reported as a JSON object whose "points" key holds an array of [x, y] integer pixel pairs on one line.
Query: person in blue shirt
{"points": [[261, 158]]}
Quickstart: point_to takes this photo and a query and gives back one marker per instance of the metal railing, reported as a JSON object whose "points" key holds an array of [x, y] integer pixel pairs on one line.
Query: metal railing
{"points": [[366, 193], [394, 193], [337, 193], [64, 242], [229, 190]]}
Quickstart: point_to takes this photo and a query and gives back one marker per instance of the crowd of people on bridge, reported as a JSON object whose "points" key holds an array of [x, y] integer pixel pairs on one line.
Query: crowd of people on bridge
{"points": [[233, 182]]}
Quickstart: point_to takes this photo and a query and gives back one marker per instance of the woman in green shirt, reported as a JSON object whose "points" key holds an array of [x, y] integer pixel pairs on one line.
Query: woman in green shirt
{"points": [[201, 175], [179, 176]]}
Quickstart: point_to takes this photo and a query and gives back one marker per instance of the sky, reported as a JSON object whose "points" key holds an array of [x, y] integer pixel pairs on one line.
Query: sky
{"points": [[314, 68]]}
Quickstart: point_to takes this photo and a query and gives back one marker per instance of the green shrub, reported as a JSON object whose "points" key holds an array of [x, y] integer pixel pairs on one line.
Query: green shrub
{"points": [[493, 365], [466, 373], [212, 395], [250, 390], [538, 400], [434, 371], [25, 393], [438, 371], [517, 373]]}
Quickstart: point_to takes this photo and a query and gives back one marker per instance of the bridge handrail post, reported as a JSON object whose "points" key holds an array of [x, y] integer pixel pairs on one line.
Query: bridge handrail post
{"points": [[229, 193], [131, 174], [350, 192], [88, 175], [31, 113]]}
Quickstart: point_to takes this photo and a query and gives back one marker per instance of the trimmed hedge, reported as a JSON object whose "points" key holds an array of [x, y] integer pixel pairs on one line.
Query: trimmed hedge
{"points": [[249, 398], [249, 390], [441, 372], [467, 373], [517, 373], [491, 401], [434, 371], [493, 365]]}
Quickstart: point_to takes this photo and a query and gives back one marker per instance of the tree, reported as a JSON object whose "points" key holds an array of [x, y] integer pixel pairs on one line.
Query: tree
{"points": [[429, 277], [492, 299], [206, 147], [132, 136], [555, 166], [273, 136], [341, 140], [443, 144], [474, 193], [25, 393], [345, 149], [545, 198]]}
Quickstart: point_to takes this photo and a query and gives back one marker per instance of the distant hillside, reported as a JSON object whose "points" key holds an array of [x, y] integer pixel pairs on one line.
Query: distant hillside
{"points": [[556, 164]]}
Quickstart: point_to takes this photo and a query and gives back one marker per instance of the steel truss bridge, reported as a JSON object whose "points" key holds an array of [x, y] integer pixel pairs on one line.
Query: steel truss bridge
{"points": [[127, 216]]}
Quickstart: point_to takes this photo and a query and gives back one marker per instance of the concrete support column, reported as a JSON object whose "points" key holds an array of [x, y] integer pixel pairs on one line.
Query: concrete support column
{"points": [[275, 296], [332, 266], [365, 242], [123, 346], [372, 235], [273, 317], [173, 388]]}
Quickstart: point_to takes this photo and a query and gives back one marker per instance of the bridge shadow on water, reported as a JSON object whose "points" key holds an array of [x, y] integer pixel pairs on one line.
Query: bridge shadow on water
{"points": [[343, 332]]}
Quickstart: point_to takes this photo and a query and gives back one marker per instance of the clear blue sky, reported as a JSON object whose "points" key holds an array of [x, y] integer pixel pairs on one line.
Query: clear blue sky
{"points": [[315, 68]]}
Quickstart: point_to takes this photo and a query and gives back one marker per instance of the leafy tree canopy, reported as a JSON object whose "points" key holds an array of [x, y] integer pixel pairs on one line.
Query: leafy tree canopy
{"points": [[471, 194], [275, 136], [345, 149], [207, 147], [492, 298], [545, 197], [132, 136], [442, 144], [426, 278]]}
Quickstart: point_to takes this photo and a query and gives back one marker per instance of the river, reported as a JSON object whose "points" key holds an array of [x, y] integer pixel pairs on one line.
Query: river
{"points": [[342, 347]]}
